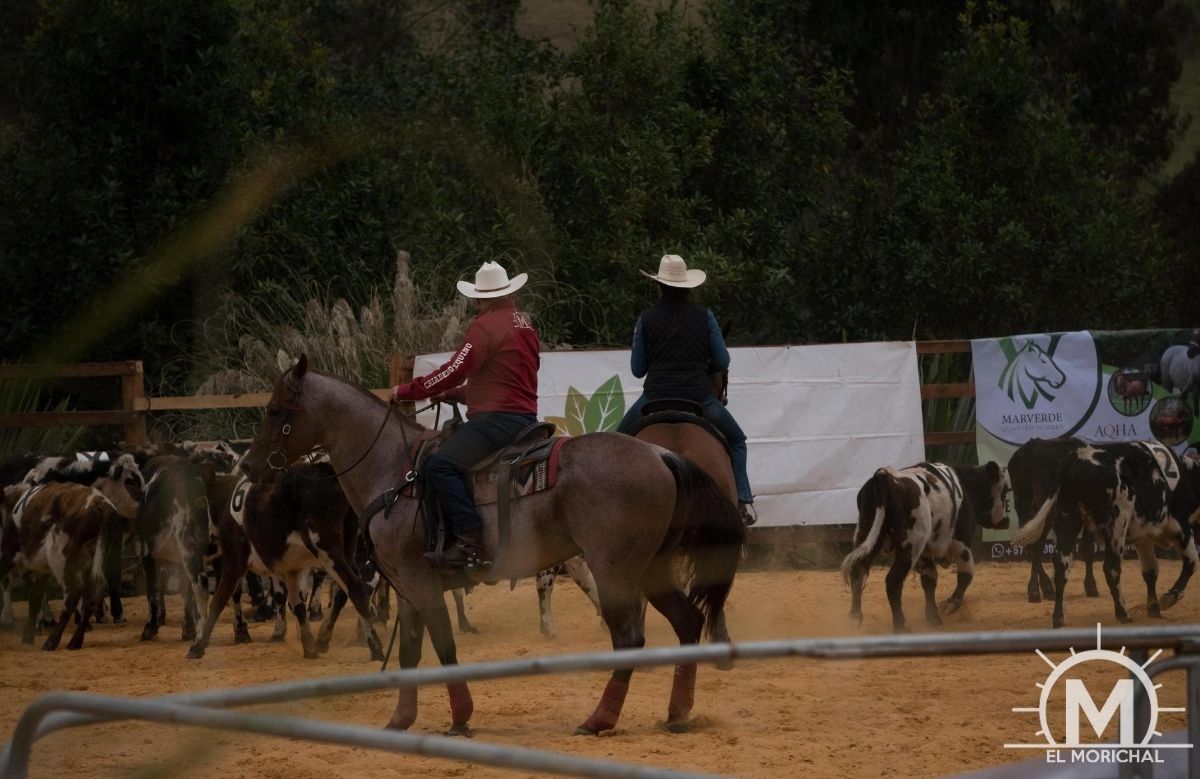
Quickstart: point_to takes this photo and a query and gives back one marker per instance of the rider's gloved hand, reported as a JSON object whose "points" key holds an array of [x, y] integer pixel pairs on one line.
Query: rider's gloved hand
{"points": [[402, 391]]}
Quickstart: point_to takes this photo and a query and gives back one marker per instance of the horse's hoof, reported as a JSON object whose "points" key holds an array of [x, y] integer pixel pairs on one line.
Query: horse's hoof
{"points": [[1034, 596], [856, 620], [1124, 619], [149, 635], [196, 652], [1153, 610], [75, 645], [724, 665], [49, 646], [1090, 590], [275, 638], [1168, 599], [460, 729], [950, 605], [241, 638], [394, 725], [323, 647], [584, 730], [470, 629], [310, 655], [188, 635], [119, 620], [678, 726]]}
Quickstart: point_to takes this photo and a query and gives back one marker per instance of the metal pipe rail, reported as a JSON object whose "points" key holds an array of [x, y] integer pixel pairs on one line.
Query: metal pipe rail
{"points": [[40, 720]]}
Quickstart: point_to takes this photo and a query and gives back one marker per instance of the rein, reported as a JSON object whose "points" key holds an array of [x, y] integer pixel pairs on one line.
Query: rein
{"points": [[297, 390]]}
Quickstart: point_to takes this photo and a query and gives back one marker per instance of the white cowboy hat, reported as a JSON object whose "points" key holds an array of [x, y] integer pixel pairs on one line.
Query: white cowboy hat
{"points": [[491, 281], [673, 272]]}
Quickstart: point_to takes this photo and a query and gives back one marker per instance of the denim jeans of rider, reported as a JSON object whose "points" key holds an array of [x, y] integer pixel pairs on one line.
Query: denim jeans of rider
{"points": [[474, 440]]}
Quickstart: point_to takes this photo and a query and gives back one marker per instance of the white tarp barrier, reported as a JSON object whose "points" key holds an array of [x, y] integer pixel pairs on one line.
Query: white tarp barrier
{"points": [[819, 419]]}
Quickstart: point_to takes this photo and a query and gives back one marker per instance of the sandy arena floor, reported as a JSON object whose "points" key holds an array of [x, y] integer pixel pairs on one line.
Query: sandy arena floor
{"points": [[770, 718]]}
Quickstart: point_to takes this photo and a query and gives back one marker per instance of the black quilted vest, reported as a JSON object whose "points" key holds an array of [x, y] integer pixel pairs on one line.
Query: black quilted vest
{"points": [[676, 335]]}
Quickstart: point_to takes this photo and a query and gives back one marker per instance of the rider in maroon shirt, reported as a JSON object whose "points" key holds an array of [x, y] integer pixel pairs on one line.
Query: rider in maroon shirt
{"points": [[500, 356]]}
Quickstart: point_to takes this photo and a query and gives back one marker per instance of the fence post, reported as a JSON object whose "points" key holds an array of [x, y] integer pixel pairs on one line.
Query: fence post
{"points": [[400, 371], [133, 390]]}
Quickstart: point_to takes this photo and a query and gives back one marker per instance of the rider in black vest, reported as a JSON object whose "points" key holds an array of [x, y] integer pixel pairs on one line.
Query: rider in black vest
{"points": [[676, 344]]}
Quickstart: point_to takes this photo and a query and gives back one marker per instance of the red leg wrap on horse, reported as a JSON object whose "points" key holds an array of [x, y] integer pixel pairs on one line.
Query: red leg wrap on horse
{"points": [[406, 709], [461, 705], [683, 692], [608, 711]]}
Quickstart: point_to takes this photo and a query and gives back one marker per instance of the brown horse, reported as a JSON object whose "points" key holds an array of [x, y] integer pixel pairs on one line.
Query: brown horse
{"points": [[626, 505], [690, 438]]}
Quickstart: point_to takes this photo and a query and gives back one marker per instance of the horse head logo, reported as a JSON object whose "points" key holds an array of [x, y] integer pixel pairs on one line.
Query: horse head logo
{"points": [[1031, 373]]}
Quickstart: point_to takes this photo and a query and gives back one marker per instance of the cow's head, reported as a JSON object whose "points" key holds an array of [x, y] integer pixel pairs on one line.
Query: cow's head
{"points": [[286, 432], [123, 485], [1194, 345], [999, 487]]}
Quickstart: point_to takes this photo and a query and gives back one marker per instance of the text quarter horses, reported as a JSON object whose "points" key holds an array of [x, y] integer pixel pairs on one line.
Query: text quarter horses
{"points": [[626, 505]]}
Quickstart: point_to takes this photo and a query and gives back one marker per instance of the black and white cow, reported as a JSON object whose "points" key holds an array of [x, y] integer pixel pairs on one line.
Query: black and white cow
{"points": [[926, 514], [579, 572], [1137, 493], [1033, 471]]}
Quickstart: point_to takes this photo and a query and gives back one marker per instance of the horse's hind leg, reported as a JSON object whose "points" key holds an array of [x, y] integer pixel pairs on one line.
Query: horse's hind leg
{"points": [[621, 607], [688, 622]]}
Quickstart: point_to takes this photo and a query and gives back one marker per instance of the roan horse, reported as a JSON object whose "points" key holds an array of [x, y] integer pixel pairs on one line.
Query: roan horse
{"points": [[626, 505]]}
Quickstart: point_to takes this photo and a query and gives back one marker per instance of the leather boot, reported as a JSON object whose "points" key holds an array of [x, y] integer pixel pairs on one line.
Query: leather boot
{"points": [[467, 551]]}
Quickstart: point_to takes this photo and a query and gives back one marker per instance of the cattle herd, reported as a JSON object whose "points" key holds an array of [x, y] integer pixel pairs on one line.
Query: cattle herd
{"points": [[1132, 494], [184, 513]]}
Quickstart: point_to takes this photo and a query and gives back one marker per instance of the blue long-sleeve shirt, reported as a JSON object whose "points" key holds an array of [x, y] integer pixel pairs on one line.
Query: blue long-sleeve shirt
{"points": [[718, 353]]}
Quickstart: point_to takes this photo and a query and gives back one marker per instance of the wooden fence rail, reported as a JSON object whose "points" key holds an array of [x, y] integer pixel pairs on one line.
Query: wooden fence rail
{"points": [[136, 405]]}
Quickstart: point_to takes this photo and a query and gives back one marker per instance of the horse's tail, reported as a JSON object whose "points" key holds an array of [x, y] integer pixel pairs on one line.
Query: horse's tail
{"points": [[872, 508], [1035, 528], [713, 537]]}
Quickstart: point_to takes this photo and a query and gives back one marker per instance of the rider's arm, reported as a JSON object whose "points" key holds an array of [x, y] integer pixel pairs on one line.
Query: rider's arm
{"points": [[465, 360], [718, 354], [637, 358]]}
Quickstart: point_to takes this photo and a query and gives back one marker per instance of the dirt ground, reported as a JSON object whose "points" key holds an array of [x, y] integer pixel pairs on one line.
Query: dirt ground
{"points": [[768, 718]]}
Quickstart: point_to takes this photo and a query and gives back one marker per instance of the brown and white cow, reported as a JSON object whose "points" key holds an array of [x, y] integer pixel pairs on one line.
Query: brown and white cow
{"points": [[284, 529], [1138, 493], [62, 530], [927, 514]]}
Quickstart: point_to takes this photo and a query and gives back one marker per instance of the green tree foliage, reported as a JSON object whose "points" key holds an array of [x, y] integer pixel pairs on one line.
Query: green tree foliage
{"points": [[997, 211]]}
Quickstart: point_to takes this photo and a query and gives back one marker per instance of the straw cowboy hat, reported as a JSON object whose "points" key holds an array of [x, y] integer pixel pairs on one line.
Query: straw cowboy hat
{"points": [[491, 281], [673, 272]]}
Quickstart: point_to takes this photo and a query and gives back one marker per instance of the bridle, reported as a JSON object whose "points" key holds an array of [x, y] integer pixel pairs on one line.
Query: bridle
{"points": [[297, 390]]}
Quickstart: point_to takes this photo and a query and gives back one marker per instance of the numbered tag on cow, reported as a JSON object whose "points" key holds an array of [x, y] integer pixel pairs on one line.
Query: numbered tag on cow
{"points": [[237, 502]]}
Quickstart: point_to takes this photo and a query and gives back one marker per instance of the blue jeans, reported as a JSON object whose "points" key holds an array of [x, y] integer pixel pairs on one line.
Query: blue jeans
{"points": [[474, 440], [721, 418]]}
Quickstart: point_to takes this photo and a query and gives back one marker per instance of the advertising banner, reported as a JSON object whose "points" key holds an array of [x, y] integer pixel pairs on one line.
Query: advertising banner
{"points": [[1099, 386], [819, 419]]}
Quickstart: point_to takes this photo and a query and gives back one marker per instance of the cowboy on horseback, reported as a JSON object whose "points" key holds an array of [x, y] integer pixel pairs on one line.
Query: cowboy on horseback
{"points": [[500, 356], [676, 345]]}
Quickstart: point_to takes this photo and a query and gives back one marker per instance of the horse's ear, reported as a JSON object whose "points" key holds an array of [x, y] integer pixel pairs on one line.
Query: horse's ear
{"points": [[301, 366], [992, 470]]}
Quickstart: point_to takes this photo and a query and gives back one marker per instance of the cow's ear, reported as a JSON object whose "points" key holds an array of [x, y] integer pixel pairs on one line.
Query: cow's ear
{"points": [[993, 471], [301, 366]]}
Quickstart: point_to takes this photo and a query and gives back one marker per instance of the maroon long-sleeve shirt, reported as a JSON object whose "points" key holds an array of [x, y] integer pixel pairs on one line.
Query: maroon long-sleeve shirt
{"points": [[500, 356]]}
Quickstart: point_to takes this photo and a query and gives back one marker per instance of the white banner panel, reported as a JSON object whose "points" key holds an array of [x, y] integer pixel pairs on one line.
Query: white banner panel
{"points": [[819, 419]]}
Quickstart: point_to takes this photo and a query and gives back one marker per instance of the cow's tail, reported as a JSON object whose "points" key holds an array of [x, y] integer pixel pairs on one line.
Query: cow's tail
{"points": [[1033, 531], [872, 507], [713, 537]]}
